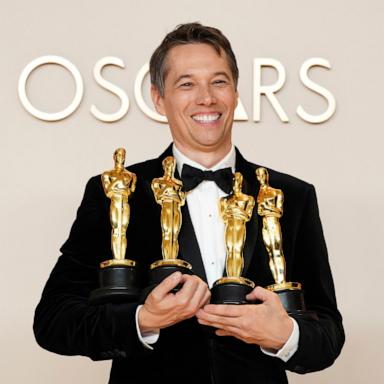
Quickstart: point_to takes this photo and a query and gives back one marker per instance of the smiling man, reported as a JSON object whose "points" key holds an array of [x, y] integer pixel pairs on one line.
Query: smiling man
{"points": [[199, 99], [180, 337]]}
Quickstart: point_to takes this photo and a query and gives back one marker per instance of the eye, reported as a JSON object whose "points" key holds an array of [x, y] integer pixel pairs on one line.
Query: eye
{"points": [[187, 84], [220, 82]]}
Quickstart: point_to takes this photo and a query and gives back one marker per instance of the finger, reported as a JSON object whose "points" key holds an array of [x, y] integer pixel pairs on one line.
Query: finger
{"points": [[199, 297], [260, 293], [188, 289], [187, 277], [170, 282], [227, 325], [227, 310], [217, 321], [206, 299], [222, 332], [191, 283]]}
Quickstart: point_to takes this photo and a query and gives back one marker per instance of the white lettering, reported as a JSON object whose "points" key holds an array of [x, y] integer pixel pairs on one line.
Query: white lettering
{"points": [[240, 113], [110, 117], [316, 119], [50, 59], [268, 90], [140, 99]]}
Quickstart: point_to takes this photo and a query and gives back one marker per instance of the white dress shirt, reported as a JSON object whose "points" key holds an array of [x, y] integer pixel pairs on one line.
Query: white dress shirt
{"points": [[203, 206]]}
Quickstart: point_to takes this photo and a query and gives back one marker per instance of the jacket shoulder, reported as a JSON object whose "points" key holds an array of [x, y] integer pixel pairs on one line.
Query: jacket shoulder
{"points": [[146, 167], [284, 181]]}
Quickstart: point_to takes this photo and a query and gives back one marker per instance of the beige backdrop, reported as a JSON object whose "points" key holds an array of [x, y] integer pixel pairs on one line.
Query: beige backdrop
{"points": [[44, 166]]}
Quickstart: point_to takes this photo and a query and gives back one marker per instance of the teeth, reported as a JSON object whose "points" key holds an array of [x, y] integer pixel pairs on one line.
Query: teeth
{"points": [[206, 118]]}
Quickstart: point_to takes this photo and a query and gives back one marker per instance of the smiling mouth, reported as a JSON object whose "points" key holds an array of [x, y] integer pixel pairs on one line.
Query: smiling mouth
{"points": [[206, 118]]}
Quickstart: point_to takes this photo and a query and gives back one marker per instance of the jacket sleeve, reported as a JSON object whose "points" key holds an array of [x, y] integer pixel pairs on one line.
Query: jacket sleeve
{"points": [[320, 340], [65, 322]]}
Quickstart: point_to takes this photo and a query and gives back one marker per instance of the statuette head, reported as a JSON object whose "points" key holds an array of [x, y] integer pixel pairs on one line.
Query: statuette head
{"points": [[169, 164], [238, 182], [119, 156], [262, 176]]}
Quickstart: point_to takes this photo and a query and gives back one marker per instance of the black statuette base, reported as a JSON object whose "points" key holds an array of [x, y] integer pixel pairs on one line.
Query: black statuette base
{"points": [[158, 274], [117, 284], [294, 304], [230, 293]]}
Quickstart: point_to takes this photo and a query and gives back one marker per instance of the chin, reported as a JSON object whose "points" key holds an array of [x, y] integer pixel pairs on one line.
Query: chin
{"points": [[211, 145], [216, 141]]}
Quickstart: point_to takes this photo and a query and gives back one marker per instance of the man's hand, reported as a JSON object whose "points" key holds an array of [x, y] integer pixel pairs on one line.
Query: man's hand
{"points": [[163, 308], [266, 324]]}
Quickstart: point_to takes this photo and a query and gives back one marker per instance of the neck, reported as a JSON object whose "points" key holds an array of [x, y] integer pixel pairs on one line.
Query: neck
{"points": [[208, 158]]}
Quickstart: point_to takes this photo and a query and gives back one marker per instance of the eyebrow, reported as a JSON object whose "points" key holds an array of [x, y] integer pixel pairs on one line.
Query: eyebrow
{"points": [[188, 76], [222, 73], [185, 76]]}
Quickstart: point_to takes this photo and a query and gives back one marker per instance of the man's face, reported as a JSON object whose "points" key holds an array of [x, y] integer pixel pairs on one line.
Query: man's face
{"points": [[199, 98]]}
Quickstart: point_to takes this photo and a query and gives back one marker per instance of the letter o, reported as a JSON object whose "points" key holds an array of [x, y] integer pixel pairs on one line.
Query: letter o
{"points": [[50, 59], [140, 99]]}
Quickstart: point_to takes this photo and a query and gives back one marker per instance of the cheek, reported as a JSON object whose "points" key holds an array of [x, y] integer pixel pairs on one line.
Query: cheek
{"points": [[232, 103], [178, 106], [229, 98]]}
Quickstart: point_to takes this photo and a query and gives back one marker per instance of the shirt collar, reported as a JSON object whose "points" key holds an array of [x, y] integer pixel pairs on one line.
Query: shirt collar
{"points": [[229, 160]]}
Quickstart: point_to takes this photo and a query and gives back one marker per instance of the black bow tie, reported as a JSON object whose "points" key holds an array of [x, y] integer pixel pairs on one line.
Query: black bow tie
{"points": [[192, 177]]}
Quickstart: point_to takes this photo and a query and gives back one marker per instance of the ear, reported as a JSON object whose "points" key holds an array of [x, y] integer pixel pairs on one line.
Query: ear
{"points": [[157, 100]]}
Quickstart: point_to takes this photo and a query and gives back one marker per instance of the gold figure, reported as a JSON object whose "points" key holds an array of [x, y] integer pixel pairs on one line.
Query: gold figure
{"points": [[270, 208], [118, 185], [168, 193], [236, 210]]}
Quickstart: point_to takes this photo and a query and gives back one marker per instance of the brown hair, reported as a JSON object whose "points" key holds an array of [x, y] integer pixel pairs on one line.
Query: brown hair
{"points": [[191, 33]]}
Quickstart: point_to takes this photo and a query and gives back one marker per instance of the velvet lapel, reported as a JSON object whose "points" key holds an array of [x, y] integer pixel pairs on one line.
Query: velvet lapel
{"points": [[250, 187], [188, 246], [158, 172]]}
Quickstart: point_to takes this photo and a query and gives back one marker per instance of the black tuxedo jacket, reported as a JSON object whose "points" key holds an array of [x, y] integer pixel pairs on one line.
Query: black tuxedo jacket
{"points": [[187, 352]]}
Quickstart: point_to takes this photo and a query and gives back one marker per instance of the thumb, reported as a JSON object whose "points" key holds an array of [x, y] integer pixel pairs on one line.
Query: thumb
{"points": [[167, 285], [259, 293]]}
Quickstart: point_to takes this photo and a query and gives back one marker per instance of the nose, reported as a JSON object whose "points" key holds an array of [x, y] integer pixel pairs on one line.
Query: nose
{"points": [[205, 95]]}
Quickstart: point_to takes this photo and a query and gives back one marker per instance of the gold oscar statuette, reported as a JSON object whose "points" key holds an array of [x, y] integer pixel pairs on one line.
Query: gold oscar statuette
{"points": [[168, 193], [118, 276], [270, 208], [236, 210]]}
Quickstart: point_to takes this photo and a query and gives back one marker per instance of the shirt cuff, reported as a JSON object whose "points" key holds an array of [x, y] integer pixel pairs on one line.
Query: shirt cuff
{"points": [[146, 338], [289, 348]]}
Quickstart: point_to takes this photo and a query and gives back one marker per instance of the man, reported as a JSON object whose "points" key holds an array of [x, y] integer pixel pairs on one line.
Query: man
{"points": [[179, 337]]}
